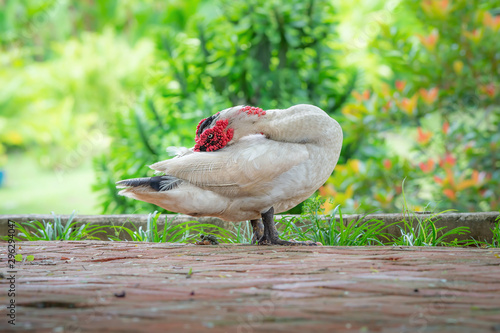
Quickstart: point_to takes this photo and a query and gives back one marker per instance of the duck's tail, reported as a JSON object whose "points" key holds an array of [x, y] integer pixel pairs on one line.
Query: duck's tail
{"points": [[148, 184]]}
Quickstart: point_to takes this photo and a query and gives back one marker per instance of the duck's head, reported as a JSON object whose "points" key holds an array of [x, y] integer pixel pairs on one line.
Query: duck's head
{"points": [[226, 127]]}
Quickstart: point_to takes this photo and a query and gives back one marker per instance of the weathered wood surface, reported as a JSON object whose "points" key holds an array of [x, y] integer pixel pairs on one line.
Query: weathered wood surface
{"points": [[143, 287]]}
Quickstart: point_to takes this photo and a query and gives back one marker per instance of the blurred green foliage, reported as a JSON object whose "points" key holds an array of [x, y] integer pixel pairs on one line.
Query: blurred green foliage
{"points": [[414, 83], [63, 86], [436, 121]]}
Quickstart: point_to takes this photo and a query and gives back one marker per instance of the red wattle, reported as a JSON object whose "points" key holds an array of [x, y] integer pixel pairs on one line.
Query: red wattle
{"points": [[252, 110]]}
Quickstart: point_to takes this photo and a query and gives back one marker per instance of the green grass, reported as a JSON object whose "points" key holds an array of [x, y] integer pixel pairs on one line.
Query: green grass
{"points": [[180, 233], [496, 233], [30, 189], [312, 225], [495, 242], [243, 234], [426, 233], [50, 231]]}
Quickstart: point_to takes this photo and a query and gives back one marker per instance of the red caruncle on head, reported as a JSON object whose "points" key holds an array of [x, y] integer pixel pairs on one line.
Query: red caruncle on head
{"points": [[213, 138]]}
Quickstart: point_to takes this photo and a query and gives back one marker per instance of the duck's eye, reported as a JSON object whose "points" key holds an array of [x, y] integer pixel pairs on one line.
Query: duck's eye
{"points": [[210, 136]]}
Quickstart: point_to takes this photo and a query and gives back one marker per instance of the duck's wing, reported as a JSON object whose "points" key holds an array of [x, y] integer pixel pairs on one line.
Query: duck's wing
{"points": [[251, 162]]}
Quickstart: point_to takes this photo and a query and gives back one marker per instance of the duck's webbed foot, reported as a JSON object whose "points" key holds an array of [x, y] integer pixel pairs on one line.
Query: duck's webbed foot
{"points": [[258, 230], [271, 236]]}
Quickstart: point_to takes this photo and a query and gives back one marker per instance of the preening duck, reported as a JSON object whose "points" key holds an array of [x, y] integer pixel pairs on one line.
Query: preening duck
{"points": [[247, 164]]}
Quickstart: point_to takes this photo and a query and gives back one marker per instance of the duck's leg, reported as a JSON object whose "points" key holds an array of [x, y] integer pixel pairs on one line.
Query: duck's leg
{"points": [[258, 230], [271, 235]]}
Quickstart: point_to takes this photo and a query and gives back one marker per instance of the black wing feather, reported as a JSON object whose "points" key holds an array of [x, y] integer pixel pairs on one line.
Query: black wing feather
{"points": [[158, 183]]}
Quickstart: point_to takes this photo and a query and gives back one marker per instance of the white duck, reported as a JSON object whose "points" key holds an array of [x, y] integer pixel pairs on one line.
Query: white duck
{"points": [[247, 163]]}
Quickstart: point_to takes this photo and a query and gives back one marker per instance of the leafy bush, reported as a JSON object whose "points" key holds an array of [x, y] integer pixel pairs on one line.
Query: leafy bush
{"points": [[436, 124], [66, 102]]}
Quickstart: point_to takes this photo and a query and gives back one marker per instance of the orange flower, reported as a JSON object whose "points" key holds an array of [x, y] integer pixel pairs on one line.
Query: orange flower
{"points": [[360, 97], [384, 199], [387, 164], [492, 22], [430, 41], [436, 8], [475, 35], [409, 104], [429, 96], [327, 191], [465, 184], [357, 95], [400, 85], [387, 105], [462, 185], [488, 89], [478, 177], [438, 180], [446, 127], [340, 199], [399, 189], [423, 137], [427, 166], [450, 194], [448, 160], [475, 176]]}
